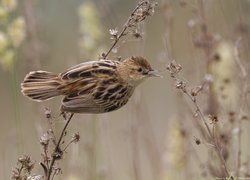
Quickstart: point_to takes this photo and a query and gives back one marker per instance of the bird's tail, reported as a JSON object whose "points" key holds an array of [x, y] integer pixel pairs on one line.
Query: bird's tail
{"points": [[41, 85]]}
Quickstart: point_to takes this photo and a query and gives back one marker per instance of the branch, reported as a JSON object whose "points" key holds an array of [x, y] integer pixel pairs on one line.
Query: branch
{"points": [[57, 153], [139, 14], [173, 68]]}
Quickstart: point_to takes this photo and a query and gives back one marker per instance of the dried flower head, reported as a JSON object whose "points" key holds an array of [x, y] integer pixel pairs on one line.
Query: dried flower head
{"points": [[196, 90], [137, 34], [181, 85], [113, 33], [173, 68], [44, 139], [24, 169], [197, 140], [47, 113], [75, 137], [57, 154], [213, 119], [145, 8], [24, 160], [35, 177]]}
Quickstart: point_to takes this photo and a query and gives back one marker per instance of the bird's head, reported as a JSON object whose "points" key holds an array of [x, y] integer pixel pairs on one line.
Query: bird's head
{"points": [[136, 69]]}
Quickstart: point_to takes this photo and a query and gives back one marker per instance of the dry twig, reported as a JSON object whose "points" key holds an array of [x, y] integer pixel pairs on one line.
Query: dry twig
{"points": [[139, 14], [174, 69]]}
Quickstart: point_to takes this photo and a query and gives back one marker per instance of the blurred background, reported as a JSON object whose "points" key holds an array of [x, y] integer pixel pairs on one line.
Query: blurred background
{"points": [[153, 136]]}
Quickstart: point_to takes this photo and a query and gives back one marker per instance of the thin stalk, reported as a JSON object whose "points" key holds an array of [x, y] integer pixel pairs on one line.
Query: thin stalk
{"points": [[58, 147], [126, 25]]}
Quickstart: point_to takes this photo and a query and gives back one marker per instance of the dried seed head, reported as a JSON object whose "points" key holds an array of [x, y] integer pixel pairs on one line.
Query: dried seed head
{"points": [[35, 177], [76, 137], [57, 154], [47, 113], [113, 33], [181, 85], [173, 68], [143, 10], [213, 119], [16, 174], [193, 92], [24, 159], [196, 90], [137, 34], [197, 141], [103, 55], [26, 163], [208, 78], [44, 139]]}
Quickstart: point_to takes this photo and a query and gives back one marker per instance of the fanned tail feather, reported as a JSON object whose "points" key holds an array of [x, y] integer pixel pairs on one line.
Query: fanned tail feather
{"points": [[41, 85]]}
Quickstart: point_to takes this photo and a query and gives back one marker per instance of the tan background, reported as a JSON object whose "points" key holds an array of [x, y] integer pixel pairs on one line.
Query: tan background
{"points": [[133, 142]]}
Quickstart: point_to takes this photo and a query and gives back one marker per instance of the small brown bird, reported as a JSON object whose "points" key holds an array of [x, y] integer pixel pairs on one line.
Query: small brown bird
{"points": [[90, 87]]}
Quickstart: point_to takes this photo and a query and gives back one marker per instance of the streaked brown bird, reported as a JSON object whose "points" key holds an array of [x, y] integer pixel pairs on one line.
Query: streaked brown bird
{"points": [[90, 87]]}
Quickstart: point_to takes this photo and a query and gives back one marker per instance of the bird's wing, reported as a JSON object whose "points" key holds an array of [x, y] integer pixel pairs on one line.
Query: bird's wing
{"points": [[104, 96], [81, 99], [79, 71], [80, 104], [89, 70]]}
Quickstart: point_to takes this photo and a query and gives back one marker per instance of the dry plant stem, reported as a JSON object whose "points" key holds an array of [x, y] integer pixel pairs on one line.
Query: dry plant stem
{"points": [[122, 33], [239, 120], [57, 148], [53, 175], [198, 110], [239, 149], [219, 151], [237, 58], [52, 132], [207, 52], [243, 101], [46, 155], [211, 135], [70, 142]]}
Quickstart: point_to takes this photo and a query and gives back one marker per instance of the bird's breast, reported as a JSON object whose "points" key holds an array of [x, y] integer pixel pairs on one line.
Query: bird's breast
{"points": [[115, 97]]}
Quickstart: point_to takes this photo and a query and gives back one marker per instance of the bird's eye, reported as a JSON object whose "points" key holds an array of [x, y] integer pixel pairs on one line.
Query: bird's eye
{"points": [[139, 70]]}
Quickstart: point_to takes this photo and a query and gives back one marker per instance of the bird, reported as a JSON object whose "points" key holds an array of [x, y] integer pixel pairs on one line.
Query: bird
{"points": [[90, 87]]}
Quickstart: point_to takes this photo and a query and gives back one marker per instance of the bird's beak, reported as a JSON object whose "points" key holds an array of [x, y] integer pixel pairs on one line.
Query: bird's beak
{"points": [[154, 73]]}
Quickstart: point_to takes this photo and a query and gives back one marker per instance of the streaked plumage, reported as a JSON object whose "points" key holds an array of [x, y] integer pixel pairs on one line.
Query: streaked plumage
{"points": [[90, 87]]}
